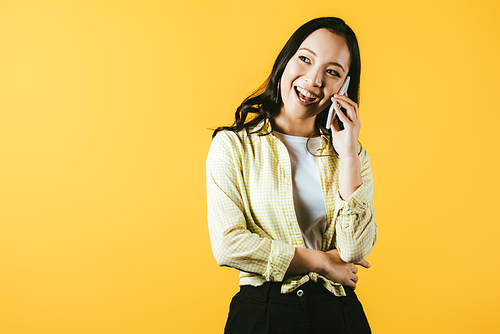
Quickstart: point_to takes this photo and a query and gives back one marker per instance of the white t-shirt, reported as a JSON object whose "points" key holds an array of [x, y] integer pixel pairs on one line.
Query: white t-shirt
{"points": [[307, 192]]}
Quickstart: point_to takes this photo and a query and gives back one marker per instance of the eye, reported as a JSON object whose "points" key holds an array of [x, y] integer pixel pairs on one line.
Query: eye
{"points": [[333, 72], [305, 59]]}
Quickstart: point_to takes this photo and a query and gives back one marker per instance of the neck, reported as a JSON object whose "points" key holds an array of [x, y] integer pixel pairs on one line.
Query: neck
{"points": [[296, 127]]}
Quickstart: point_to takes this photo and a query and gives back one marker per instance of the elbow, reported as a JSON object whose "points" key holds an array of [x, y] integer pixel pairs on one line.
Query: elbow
{"points": [[221, 244], [224, 251], [349, 256], [220, 257], [356, 255], [221, 261], [363, 245]]}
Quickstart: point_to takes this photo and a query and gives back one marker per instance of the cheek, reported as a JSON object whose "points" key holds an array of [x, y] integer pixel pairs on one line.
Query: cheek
{"points": [[292, 72], [333, 89]]}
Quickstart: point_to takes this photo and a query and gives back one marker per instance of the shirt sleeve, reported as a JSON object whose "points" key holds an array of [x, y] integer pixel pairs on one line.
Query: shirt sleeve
{"points": [[233, 245], [355, 226]]}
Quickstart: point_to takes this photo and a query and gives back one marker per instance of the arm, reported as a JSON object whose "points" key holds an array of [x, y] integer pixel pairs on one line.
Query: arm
{"points": [[355, 225], [233, 244], [328, 264], [355, 231]]}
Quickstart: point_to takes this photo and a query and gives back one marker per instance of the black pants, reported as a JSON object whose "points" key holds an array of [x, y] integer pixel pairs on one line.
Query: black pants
{"points": [[310, 309]]}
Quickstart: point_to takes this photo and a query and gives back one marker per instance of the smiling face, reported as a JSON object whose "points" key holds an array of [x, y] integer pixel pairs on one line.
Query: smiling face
{"points": [[314, 73]]}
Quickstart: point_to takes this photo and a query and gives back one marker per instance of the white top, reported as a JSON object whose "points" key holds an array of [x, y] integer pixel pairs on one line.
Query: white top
{"points": [[307, 192]]}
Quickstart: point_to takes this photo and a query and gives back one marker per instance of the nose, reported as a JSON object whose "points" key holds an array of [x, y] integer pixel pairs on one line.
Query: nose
{"points": [[314, 78]]}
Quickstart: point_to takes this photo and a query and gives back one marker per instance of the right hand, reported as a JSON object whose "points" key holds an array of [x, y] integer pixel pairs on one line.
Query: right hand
{"points": [[338, 271]]}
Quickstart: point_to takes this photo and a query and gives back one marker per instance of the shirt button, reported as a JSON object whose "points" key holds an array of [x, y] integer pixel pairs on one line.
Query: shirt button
{"points": [[300, 293]]}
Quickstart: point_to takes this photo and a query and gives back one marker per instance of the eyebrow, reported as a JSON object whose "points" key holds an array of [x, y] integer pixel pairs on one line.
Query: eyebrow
{"points": [[331, 63]]}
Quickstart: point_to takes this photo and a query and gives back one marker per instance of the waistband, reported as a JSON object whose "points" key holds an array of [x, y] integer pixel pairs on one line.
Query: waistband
{"points": [[308, 290]]}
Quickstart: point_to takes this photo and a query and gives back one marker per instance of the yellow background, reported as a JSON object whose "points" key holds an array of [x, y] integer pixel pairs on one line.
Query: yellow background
{"points": [[104, 114]]}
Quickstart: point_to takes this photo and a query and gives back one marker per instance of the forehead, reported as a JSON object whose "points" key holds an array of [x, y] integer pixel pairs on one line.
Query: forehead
{"points": [[328, 46]]}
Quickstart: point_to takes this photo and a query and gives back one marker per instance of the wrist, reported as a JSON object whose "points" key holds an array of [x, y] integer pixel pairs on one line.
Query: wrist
{"points": [[304, 261], [318, 263], [349, 158]]}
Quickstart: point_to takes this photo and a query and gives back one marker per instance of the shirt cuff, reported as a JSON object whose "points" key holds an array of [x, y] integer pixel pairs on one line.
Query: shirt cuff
{"points": [[279, 260], [355, 204]]}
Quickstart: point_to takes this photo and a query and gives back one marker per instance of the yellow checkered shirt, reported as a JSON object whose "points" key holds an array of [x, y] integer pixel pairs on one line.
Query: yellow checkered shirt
{"points": [[251, 213]]}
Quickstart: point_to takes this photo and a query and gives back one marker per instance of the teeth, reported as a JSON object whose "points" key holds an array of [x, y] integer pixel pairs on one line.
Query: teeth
{"points": [[306, 93]]}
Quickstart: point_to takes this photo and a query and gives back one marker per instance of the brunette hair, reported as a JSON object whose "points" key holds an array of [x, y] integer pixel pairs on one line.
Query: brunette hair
{"points": [[265, 102]]}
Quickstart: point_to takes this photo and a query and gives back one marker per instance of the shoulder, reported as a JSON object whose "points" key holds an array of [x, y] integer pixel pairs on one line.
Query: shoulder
{"points": [[230, 139], [242, 138], [232, 145]]}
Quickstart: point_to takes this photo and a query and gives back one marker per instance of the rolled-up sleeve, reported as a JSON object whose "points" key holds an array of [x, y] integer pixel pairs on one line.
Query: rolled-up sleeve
{"points": [[355, 224], [233, 245]]}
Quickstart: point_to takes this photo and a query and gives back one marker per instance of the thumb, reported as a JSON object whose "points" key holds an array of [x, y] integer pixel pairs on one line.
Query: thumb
{"points": [[363, 264]]}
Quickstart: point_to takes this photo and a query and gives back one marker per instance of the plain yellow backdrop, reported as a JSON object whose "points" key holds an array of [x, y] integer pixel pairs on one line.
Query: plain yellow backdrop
{"points": [[105, 111]]}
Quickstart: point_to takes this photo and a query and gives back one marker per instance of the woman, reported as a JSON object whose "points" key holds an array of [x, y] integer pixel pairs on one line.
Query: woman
{"points": [[290, 203]]}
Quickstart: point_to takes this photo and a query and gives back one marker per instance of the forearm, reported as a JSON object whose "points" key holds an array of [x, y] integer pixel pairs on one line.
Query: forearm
{"points": [[355, 225], [238, 248], [356, 235], [305, 261], [350, 176], [328, 264]]}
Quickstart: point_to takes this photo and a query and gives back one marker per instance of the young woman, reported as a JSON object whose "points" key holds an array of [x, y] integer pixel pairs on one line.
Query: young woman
{"points": [[290, 202]]}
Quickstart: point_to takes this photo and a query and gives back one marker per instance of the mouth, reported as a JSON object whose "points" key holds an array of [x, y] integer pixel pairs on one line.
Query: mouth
{"points": [[305, 96]]}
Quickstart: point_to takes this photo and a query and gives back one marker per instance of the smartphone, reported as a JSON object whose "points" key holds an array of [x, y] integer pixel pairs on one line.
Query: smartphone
{"points": [[342, 91]]}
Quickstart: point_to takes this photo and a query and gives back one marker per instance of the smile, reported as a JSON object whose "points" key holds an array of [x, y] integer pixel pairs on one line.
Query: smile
{"points": [[306, 97]]}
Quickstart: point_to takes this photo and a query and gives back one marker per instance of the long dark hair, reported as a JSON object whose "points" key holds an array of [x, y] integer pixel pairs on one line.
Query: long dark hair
{"points": [[265, 102]]}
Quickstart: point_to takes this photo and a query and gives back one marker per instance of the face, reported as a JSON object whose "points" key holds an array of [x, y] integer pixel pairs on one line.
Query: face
{"points": [[316, 72]]}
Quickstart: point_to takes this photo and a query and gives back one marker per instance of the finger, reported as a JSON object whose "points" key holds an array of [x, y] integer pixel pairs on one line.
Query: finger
{"points": [[363, 263], [350, 283], [343, 118], [343, 101], [345, 98], [355, 269], [348, 101], [355, 278], [349, 107]]}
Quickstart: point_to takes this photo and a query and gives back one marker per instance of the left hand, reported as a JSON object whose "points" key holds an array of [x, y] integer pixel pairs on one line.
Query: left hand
{"points": [[346, 141]]}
